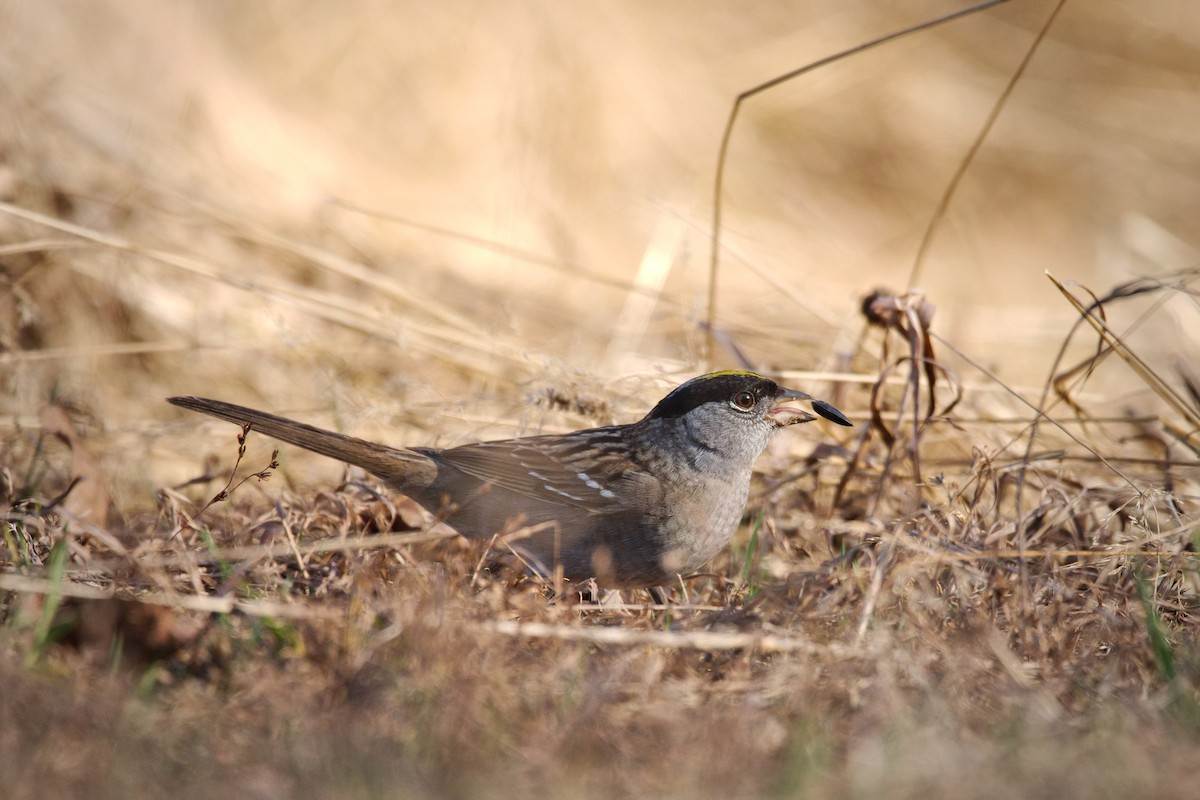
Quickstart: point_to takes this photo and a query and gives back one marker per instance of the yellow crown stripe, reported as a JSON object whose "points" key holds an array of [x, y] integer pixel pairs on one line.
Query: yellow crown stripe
{"points": [[732, 372]]}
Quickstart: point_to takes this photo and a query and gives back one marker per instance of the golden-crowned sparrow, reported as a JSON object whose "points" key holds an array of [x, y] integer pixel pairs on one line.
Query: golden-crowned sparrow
{"points": [[632, 505]]}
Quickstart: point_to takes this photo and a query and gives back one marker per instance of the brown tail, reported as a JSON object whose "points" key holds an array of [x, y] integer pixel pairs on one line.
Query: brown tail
{"points": [[403, 469]]}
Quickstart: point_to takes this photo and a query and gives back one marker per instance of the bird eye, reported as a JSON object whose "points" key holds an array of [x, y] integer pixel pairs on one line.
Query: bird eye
{"points": [[742, 401]]}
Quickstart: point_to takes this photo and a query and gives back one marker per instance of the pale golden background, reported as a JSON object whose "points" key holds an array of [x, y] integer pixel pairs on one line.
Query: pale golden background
{"points": [[279, 202]]}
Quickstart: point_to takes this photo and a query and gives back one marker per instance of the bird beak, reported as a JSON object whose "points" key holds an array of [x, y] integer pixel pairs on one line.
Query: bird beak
{"points": [[783, 415]]}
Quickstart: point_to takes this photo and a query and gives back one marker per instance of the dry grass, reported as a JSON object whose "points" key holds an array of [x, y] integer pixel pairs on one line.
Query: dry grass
{"points": [[987, 589], [1017, 623]]}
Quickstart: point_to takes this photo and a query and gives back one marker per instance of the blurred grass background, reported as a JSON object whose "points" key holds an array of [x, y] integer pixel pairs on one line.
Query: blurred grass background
{"points": [[325, 175]]}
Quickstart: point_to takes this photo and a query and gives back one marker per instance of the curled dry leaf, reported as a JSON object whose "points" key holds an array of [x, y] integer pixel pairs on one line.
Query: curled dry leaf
{"points": [[87, 498]]}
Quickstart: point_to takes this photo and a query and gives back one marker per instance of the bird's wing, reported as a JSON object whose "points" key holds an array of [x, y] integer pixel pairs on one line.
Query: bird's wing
{"points": [[591, 470]]}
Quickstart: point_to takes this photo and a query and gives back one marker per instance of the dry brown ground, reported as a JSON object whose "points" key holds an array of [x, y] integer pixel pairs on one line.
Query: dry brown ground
{"points": [[427, 225]]}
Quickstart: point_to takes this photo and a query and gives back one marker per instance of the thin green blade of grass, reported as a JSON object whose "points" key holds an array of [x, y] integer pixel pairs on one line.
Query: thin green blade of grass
{"points": [[49, 627], [748, 560], [1160, 642]]}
